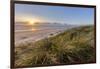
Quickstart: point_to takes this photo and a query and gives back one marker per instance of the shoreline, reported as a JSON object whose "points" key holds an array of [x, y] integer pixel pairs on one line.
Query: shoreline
{"points": [[30, 36]]}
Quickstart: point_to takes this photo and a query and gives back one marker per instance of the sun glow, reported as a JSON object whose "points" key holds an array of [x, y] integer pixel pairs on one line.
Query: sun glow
{"points": [[31, 22]]}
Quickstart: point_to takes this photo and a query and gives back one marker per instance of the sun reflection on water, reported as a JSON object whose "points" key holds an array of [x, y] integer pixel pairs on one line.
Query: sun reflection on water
{"points": [[33, 29]]}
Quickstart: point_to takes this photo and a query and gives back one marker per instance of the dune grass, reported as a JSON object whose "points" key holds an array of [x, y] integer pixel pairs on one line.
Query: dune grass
{"points": [[72, 46]]}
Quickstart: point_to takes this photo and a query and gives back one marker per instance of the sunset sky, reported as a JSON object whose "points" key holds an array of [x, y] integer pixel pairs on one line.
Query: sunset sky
{"points": [[52, 14]]}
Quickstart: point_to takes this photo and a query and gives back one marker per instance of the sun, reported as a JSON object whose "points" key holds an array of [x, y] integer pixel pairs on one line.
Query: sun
{"points": [[31, 22]]}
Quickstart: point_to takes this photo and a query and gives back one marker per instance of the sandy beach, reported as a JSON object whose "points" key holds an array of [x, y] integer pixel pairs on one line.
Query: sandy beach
{"points": [[25, 33]]}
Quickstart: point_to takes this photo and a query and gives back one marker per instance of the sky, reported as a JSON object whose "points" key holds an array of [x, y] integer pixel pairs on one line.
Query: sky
{"points": [[54, 14]]}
